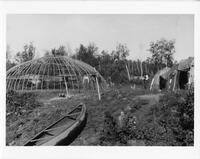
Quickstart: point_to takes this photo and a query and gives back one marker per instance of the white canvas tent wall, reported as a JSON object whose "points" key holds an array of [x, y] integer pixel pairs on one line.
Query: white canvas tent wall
{"points": [[156, 81], [185, 73], [178, 77], [191, 75]]}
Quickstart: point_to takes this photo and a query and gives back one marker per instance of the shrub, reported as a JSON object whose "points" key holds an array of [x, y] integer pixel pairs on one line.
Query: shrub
{"points": [[175, 113], [20, 103], [110, 132], [168, 123], [114, 134]]}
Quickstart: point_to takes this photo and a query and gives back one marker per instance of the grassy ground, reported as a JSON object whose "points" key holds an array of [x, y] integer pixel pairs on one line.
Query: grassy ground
{"points": [[114, 100], [20, 128]]}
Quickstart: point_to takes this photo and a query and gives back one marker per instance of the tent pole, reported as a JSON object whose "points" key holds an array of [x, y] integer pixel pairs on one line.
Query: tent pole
{"points": [[98, 90], [151, 84], [97, 82], [137, 67], [66, 88], [174, 82], [146, 68], [128, 72], [141, 69]]}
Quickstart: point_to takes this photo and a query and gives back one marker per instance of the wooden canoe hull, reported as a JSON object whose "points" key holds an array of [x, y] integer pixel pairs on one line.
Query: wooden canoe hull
{"points": [[67, 136]]}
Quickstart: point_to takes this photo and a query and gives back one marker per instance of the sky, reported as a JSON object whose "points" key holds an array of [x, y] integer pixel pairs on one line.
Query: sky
{"points": [[106, 31]]}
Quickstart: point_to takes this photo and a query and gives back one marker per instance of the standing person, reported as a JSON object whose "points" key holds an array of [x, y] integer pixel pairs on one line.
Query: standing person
{"points": [[145, 80], [93, 81], [86, 81]]}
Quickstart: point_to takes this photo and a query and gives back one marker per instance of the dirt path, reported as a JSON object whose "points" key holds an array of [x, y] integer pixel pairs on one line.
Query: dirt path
{"points": [[153, 98]]}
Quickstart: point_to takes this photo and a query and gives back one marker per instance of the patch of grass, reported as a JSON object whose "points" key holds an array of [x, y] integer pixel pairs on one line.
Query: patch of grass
{"points": [[35, 119], [19, 106]]}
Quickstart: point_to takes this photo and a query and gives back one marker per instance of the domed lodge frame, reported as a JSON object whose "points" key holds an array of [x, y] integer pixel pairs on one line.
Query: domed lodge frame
{"points": [[54, 73]]}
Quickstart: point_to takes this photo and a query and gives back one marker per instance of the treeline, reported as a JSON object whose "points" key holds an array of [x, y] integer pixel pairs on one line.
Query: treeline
{"points": [[114, 65]]}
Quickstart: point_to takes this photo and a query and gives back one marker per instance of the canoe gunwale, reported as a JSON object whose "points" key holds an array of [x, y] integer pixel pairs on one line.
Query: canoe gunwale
{"points": [[63, 135], [80, 118]]}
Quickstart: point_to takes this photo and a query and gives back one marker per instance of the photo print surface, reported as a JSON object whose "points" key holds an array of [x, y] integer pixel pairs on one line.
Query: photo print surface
{"points": [[100, 80]]}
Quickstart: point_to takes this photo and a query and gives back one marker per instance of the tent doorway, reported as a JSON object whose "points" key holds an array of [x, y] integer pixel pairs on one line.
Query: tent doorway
{"points": [[162, 83], [183, 79]]}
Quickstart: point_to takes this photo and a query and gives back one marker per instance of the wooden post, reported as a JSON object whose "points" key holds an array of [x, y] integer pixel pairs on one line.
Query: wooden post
{"points": [[137, 67], [147, 72], [66, 88], [129, 78], [97, 83], [151, 84], [170, 81], [141, 69], [98, 90], [175, 81]]}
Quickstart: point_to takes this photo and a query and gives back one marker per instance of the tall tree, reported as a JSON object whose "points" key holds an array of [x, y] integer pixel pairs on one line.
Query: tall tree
{"points": [[88, 54], [121, 71], [105, 64], [27, 54], [60, 51], [162, 52], [121, 52]]}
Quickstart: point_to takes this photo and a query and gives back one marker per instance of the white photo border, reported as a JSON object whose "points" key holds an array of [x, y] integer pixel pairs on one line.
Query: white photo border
{"points": [[101, 7]]}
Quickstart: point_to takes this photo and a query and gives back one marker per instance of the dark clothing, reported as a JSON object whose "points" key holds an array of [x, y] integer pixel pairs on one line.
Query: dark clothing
{"points": [[145, 81]]}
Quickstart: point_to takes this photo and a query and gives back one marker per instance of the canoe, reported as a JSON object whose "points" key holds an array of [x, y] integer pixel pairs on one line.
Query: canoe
{"points": [[63, 131]]}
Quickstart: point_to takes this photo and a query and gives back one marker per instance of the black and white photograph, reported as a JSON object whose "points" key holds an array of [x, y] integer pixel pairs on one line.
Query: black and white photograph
{"points": [[100, 80]]}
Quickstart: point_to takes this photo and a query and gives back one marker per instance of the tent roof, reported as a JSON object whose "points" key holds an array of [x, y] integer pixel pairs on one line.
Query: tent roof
{"points": [[172, 70], [164, 72], [186, 64]]}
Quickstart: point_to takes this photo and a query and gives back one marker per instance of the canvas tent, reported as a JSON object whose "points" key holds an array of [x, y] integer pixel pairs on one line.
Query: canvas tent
{"points": [[172, 77], [180, 76], [159, 81], [191, 75], [185, 73]]}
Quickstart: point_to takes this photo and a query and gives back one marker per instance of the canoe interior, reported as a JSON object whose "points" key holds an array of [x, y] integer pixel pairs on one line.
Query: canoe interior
{"points": [[56, 128]]}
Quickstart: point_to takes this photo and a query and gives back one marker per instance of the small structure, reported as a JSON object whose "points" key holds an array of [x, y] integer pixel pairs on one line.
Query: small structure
{"points": [[183, 74], [180, 76], [159, 81]]}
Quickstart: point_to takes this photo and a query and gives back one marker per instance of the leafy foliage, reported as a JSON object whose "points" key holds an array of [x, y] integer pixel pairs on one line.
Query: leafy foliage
{"points": [[87, 54], [27, 54], [121, 52], [113, 133], [169, 123], [61, 51], [113, 66], [173, 120], [19, 104], [162, 52], [110, 131]]}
